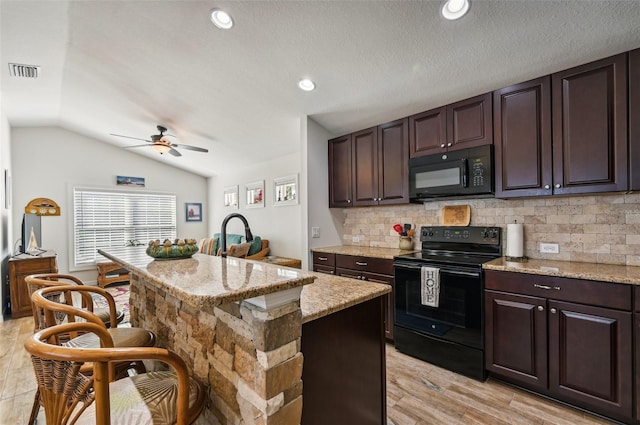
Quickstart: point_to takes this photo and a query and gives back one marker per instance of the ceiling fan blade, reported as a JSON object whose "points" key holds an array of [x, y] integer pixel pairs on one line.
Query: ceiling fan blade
{"points": [[191, 148], [136, 146], [174, 152], [129, 137]]}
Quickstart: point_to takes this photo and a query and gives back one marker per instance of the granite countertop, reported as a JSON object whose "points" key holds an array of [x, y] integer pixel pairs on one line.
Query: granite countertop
{"points": [[329, 294], [205, 280], [365, 251], [569, 269]]}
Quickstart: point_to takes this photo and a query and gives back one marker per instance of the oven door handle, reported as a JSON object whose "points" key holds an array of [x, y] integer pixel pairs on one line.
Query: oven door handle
{"points": [[457, 272]]}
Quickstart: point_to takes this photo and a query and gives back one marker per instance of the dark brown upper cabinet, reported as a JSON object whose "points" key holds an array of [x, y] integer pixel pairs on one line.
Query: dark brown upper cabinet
{"points": [[634, 121], [340, 185], [393, 162], [365, 167], [522, 127], [463, 124], [590, 127], [370, 167], [564, 134]]}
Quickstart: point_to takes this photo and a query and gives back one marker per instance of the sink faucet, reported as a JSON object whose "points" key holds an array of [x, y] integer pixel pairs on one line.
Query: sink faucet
{"points": [[223, 231]]}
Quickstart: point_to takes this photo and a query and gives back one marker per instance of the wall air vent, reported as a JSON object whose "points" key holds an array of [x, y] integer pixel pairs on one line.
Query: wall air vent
{"points": [[24, 71]]}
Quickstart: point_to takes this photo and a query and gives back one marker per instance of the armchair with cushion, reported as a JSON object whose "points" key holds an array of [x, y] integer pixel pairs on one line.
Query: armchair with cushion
{"points": [[70, 396], [237, 246]]}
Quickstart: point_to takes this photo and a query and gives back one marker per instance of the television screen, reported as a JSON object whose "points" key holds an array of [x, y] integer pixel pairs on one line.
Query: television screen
{"points": [[30, 222]]}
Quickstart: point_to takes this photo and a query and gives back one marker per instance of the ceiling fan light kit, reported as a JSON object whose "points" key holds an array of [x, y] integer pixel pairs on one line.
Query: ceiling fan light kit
{"points": [[161, 144]]}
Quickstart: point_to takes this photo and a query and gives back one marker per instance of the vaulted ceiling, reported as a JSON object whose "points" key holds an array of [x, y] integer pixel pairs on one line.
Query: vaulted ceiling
{"points": [[125, 66]]}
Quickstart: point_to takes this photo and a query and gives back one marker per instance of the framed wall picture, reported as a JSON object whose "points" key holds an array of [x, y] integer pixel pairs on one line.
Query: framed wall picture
{"points": [[255, 194], [285, 190], [193, 211], [130, 181], [231, 197]]}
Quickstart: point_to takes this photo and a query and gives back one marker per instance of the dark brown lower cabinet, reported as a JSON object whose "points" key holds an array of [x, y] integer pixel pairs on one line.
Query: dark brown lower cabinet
{"points": [[574, 352], [379, 270], [344, 374], [636, 334]]}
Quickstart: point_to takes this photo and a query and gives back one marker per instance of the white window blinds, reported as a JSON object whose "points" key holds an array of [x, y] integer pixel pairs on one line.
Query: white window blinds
{"points": [[103, 219]]}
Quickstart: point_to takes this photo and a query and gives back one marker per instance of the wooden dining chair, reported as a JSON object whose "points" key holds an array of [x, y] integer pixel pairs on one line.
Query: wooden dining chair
{"points": [[51, 308], [72, 397], [43, 280]]}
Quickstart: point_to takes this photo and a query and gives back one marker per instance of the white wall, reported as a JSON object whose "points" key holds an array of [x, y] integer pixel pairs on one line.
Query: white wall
{"points": [[6, 239], [48, 160], [280, 225], [330, 221]]}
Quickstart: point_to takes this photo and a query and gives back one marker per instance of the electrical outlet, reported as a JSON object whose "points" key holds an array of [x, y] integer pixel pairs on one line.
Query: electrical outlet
{"points": [[355, 239], [549, 248], [315, 232]]}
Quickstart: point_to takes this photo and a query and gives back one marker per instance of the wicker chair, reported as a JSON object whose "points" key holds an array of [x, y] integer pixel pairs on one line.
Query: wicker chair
{"points": [[71, 397], [51, 308], [37, 281]]}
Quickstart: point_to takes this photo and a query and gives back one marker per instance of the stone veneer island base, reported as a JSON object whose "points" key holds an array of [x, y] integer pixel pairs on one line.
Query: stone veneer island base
{"points": [[317, 359]]}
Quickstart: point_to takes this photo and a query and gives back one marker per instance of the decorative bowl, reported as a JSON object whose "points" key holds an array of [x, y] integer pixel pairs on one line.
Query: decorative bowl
{"points": [[172, 250]]}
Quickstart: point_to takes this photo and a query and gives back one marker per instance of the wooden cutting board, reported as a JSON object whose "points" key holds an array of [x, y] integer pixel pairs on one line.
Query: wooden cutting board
{"points": [[456, 215]]}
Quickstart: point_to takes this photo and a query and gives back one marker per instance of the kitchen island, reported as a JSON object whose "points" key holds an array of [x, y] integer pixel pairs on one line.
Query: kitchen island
{"points": [[255, 332]]}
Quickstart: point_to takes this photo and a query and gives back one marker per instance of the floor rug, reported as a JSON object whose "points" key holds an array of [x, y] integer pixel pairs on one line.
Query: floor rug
{"points": [[120, 294]]}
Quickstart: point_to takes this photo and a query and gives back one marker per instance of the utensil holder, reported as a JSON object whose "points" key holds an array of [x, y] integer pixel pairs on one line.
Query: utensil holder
{"points": [[406, 243]]}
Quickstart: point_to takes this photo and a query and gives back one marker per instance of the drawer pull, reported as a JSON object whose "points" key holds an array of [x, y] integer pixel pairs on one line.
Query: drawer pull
{"points": [[322, 258], [361, 263], [546, 287]]}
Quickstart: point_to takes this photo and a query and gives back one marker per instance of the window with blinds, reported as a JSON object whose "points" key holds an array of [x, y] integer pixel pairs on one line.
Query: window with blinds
{"points": [[104, 219]]}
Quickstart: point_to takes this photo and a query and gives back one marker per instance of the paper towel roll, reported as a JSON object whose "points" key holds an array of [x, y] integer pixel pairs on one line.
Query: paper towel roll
{"points": [[515, 240]]}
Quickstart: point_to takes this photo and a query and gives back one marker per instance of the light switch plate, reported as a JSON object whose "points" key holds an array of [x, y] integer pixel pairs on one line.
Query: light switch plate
{"points": [[315, 232]]}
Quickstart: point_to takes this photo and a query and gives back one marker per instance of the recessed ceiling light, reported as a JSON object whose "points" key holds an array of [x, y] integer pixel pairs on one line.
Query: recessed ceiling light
{"points": [[306, 84], [221, 19], [455, 9]]}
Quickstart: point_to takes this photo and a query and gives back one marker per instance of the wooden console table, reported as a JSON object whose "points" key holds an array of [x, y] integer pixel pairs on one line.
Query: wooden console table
{"points": [[20, 267], [110, 272]]}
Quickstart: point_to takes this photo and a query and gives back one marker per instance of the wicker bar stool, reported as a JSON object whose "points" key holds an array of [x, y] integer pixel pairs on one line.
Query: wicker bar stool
{"points": [[51, 308], [43, 280], [71, 397]]}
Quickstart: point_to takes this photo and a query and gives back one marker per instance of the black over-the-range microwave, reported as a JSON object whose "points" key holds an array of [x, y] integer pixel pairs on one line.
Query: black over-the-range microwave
{"points": [[458, 173]]}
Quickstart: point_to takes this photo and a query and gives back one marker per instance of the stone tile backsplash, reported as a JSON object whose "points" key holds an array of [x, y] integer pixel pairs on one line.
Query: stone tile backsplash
{"points": [[597, 229]]}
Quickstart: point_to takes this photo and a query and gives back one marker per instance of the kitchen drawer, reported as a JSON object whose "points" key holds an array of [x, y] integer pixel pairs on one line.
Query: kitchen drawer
{"points": [[365, 264], [637, 297], [603, 294], [322, 258], [324, 269]]}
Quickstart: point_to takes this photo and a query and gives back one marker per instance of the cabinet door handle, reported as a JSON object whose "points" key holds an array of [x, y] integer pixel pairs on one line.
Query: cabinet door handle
{"points": [[554, 311], [360, 263], [540, 308], [449, 144], [546, 186], [348, 201], [546, 287], [442, 145], [558, 185], [322, 258]]}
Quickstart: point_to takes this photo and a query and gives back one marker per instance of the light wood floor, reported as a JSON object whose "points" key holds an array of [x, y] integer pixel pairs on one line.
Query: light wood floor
{"points": [[417, 393]]}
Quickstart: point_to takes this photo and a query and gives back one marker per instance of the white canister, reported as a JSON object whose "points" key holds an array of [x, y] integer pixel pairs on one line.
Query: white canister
{"points": [[515, 240]]}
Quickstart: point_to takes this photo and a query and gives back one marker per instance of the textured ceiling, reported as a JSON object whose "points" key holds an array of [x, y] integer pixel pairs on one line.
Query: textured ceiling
{"points": [[124, 66]]}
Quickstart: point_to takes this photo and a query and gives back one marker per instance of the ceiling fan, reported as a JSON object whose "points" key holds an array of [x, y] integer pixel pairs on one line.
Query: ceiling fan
{"points": [[161, 144]]}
